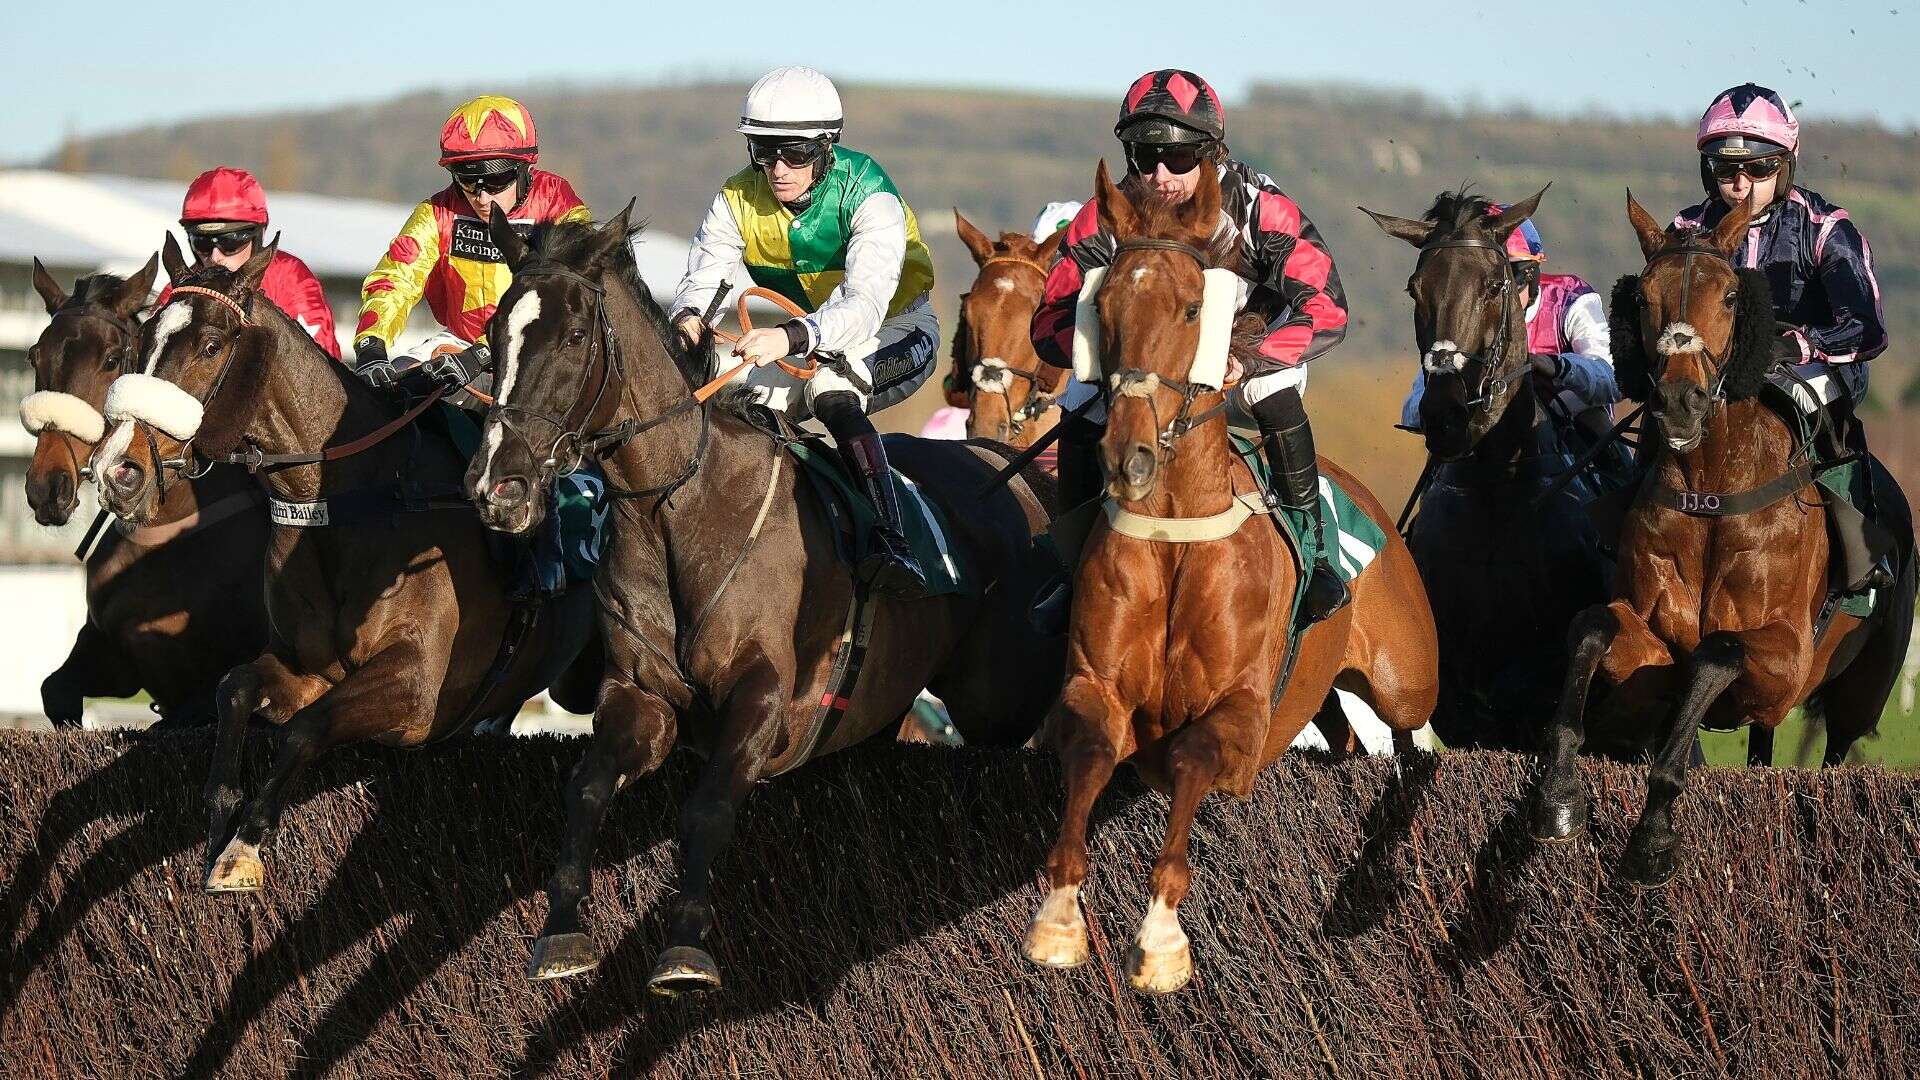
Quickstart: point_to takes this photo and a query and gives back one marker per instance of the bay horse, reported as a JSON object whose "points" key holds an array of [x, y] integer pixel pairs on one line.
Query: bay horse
{"points": [[1717, 606], [1177, 656], [1509, 556], [386, 607], [725, 605], [172, 606], [995, 368]]}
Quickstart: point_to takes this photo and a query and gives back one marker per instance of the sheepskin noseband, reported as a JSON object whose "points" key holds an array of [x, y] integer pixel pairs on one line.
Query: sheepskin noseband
{"points": [[51, 410], [156, 402]]}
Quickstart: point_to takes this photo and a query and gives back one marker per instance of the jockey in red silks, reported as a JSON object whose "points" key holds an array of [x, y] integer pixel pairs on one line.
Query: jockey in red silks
{"points": [[1567, 336], [225, 214], [1171, 126]]}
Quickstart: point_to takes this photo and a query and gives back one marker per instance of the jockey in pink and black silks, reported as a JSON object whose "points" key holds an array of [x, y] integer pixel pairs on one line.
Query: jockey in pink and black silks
{"points": [[1172, 125], [1567, 337]]}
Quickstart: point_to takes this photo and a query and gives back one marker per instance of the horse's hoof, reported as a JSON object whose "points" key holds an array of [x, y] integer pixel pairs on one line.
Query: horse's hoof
{"points": [[238, 869], [1056, 945], [1159, 972], [557, 956], [1557, 821], [684, 969], [1646, 868]]}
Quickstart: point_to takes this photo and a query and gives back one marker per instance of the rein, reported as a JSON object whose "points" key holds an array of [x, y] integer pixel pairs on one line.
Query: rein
{"points": [[1686, 252], [1139, 383]]}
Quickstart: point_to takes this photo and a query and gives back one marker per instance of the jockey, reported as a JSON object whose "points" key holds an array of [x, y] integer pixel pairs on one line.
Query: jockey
{"points": [[825, 227], [1826, 301], [1054, 217], [489, 146], [1567, 336], [1171, 126], [225, 214]]}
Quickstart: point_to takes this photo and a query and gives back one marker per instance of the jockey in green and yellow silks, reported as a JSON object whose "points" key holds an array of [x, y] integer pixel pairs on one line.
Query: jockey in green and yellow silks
{"points": [[825, 227]]}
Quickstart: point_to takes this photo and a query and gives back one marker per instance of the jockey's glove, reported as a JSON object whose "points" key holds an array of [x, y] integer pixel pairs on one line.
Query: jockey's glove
{"points": [[371, 364], [1786, 349], [457, 369], [1552, 365]]}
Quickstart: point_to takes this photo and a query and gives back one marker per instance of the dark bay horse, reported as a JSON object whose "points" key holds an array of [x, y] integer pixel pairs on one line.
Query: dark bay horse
{"points": [[172, 606], [725, 604], [1507, 565], [1177, 654], [386, 607], [1724, 559], [994, 365]]}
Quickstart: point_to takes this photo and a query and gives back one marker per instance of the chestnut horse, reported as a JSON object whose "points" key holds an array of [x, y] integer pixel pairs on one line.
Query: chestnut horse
{"points": [[994, 366], [1724, 559], [1508, 554], [170, 607], [1177, 656], [725, 604], [386, 607]]}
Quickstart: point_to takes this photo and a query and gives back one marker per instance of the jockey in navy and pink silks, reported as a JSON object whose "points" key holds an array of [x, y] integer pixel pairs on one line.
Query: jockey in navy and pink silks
{"points": [[1826, 301], [1567, 338], [1172, 124]]}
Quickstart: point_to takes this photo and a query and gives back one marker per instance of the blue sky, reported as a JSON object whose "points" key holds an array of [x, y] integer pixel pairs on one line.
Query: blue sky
{"points": [[108, 64]]}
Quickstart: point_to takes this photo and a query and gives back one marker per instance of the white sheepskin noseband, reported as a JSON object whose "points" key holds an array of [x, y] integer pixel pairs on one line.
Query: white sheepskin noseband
{"points": [[155, 401], [1219, 303], [51, 410]]}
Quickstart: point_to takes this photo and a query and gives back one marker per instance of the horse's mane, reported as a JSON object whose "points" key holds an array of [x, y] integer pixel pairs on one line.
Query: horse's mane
{"points": [[1455, 210], [1160, 219], [94, 289], [580, 246]]}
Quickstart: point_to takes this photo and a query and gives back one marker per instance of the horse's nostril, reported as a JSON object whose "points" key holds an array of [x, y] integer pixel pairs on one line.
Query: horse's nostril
{"points": [[1139, 465], [509, 490], [124, 475]]}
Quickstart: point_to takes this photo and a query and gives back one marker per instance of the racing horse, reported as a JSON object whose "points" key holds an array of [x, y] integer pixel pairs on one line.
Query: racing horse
{"points": [[388, 616], [1720, 612], [1508, 553], [1179, 653], [995, 369], [172, 606], [726, 607]]}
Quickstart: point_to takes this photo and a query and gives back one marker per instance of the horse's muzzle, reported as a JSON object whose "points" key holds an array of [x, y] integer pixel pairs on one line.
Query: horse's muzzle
{"points": [[506, 504], [1134, 474], [1681, 408], [124, 485], [53, 496]]}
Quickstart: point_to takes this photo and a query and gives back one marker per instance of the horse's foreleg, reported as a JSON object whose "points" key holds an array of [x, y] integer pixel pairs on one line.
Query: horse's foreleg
{"points": [[96, 666], [633, 730], [1089, 726], [265, 686], [1560, 803], [750, 724], [1161, 961], [1652, 850]]}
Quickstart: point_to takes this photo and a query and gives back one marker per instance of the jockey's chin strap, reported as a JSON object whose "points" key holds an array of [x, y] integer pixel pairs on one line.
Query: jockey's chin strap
{"points": [[1140, 383], [1497, 377], [1687, 251]]}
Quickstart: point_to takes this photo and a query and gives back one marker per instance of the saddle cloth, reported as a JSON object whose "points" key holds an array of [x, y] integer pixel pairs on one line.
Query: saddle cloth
{"points": [[854, 516]]}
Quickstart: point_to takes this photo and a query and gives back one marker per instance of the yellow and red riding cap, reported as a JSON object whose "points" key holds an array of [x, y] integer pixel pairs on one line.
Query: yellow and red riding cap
{"points": [[489, 126]]}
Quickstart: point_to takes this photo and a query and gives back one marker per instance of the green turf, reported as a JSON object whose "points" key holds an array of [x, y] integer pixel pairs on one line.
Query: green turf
{"points": [[1896, 744]]}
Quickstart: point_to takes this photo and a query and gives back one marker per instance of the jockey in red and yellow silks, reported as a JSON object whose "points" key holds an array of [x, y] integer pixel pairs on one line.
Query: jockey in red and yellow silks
{"points": [[443, 252]]}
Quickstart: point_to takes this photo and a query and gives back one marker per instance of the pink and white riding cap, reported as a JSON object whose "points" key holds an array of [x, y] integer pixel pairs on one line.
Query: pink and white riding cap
{"points": [[1748, 121]]}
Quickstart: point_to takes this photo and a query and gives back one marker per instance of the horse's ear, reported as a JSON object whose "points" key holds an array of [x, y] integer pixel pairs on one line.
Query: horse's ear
{"points": [[51, 294], [1631, 372], [135, 290], [171, 258], [1050, 247], [1413, 232], [977, 243], [1652, 236], [255, 270], [1731, 233], [1202, 212], [1509, 219], [512, 249], [1117, 215], [614, 234]]}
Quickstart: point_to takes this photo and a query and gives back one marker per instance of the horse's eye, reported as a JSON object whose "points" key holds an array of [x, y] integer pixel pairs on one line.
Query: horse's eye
{"points": [[1733, 295], [114, 359], [576, 335], [1193, 311], [1494, 285], [210, 347]]}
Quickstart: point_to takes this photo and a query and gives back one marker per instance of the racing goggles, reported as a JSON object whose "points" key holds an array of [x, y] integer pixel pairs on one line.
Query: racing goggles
{"points": [[492, 183], [228, 242], [1759, 168], [796, 154], [1180, 159]]}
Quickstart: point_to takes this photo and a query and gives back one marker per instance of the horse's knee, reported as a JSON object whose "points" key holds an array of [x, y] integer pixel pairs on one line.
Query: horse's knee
{"points": [[1592, 630], [1719, 653], [239, 692]]}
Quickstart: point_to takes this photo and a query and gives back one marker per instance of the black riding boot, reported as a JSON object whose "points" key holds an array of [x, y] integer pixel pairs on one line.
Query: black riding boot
{"points": [[888, 565], [1850, 437], [1081, 481], [1296, 473]]}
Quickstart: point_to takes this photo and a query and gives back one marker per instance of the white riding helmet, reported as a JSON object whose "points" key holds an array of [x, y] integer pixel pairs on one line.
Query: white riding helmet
{"points": [[794, 101], [1056, 216]]}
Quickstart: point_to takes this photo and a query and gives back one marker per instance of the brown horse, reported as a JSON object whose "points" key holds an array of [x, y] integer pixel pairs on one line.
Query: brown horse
{"points": [[726, 607], [170, 607], [386, 608], [1177, 650], [994, 366], [1724, 559]]}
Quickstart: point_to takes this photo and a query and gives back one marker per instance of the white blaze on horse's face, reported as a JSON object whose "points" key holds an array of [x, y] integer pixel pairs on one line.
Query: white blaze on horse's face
{"points": [[1004, 284], [166, 324], [1678, 338], [525, 311]]}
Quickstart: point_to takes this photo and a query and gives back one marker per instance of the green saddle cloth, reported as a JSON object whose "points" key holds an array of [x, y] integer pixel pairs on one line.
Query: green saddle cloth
{"points": [[924, 523], [1354, 540]]}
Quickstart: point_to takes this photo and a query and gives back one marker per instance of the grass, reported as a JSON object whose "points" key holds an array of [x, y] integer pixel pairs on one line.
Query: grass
{"points": [[1896, 745]]}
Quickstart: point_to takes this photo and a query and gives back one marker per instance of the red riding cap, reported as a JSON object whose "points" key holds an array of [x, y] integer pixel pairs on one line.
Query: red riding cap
{"points": [[489, 126], [224, 194]]}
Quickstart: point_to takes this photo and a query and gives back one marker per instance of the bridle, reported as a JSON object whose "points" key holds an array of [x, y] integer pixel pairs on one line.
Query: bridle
{"points": [[1140, 383], [1494, 382], [571, 437], [999, 375], [1686, 251]]}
